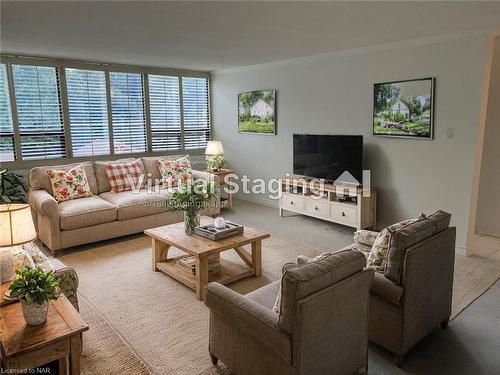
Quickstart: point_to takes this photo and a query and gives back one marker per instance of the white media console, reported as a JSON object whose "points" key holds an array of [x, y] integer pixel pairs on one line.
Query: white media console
{"points": [[352, 206]]}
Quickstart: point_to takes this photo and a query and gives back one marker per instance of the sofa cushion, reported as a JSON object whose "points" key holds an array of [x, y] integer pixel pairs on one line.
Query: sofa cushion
{"points": [[85, 212], [72, 184], [151, 168], [125, 176], [409, 235], [131, 205], [174, 172], [266, 296], [39, 179], [101, 176], [302, 281]]}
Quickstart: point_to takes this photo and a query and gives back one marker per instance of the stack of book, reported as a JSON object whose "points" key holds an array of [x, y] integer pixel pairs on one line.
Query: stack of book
{"points": [[189, 264]]}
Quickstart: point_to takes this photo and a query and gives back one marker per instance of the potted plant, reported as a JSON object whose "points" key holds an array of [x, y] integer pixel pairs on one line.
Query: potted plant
{"points": [[12, 187], [35, 288], [190, 197]]}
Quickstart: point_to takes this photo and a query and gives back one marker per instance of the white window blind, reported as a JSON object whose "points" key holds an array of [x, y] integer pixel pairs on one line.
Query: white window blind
{"points": [[88, 112], [127, 103], [196, 111], [6, 129], [164, 106], [39, 112]]}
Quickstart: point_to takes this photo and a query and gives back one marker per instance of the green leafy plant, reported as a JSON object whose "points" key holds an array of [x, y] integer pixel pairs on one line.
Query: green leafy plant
{"points": [[215, 162], [192, 195], [34, 286], [12, 187]]}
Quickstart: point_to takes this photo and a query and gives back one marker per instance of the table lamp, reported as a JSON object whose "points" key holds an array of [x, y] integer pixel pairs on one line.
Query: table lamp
{"points": [[16, 228], [214, 155]]}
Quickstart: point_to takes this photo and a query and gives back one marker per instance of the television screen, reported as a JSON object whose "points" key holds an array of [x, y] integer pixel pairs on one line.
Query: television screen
{"points": [[328, 157]]}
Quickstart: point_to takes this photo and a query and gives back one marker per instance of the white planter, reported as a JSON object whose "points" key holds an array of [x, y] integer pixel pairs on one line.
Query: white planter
{"points": [[35, 314]]}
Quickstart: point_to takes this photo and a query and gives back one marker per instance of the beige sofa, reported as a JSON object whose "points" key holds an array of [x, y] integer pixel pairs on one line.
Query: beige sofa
{"points": [[105, 214], [322, 327], [413, 296]]}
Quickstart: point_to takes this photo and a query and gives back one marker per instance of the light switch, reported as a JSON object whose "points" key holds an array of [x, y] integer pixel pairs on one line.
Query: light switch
{"points": [[450, 133]]}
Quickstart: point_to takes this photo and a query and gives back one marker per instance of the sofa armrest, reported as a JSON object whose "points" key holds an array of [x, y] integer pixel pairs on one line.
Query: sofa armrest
{"points": [[249, 318], [43, 202], [386, 289], [203, 175]]}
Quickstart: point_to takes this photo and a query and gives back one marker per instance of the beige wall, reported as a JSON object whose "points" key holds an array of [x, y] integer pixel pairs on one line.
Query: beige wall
{"points": [[488, 207], [332, 94]]}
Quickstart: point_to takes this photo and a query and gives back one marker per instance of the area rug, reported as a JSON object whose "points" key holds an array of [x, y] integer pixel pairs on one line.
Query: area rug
{"points": [[104, 352], [161, 320]]}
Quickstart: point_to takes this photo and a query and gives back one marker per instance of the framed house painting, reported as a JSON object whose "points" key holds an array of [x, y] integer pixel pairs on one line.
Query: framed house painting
{"points": [[257, 112], [404, 108]]}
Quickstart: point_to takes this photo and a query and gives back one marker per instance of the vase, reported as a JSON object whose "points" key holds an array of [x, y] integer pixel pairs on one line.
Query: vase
{"points": [[191, 221], [35, 314]]}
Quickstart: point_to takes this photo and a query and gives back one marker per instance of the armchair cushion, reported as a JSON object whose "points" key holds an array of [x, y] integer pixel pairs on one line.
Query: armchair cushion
{"points": [[266, 296], [249, 317], [365, 237], [300, 282]]}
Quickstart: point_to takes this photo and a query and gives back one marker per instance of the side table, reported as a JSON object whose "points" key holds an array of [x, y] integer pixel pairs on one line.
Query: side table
{"points": [[25, 347], [226, 199]]}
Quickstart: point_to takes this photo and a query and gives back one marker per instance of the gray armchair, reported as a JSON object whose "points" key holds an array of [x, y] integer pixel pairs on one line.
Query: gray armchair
{"points": [[413, 295], [321, 328]]}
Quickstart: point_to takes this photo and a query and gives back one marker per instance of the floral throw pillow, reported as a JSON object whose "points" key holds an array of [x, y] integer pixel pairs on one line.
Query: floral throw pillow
{"points": [[174, 171], [72, 184], [378, 254]]}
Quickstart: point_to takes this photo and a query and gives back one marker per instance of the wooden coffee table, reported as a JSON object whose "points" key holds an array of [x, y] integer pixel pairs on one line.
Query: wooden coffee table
{"points": [[25, 347], [202, 249]]}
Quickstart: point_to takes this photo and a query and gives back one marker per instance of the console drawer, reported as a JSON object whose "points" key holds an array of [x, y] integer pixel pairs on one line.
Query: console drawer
{"points": [[293, 202], [343, 215], [318, 207]]}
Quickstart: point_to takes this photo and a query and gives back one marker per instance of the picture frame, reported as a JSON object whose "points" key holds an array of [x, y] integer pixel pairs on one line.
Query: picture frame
{"points": [[257, 112], [404, 109]]}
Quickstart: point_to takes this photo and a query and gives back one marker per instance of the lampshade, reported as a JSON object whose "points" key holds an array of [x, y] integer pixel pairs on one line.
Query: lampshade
{"points": [[16, 224], [214, 148]]}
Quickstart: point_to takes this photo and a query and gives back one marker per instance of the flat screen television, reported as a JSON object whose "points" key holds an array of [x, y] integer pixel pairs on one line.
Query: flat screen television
{"points": [[328, 157]]}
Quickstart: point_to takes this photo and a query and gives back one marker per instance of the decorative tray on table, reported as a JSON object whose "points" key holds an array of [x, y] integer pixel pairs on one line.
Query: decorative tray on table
{"points": [[212, 233]]}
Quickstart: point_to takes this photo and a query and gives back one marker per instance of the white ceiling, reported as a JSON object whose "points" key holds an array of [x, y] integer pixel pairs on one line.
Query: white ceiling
{"points": [[216, 35]]}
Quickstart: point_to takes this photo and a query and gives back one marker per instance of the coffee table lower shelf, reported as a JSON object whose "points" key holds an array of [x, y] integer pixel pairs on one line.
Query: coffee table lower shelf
{"points": [[230, 271]]}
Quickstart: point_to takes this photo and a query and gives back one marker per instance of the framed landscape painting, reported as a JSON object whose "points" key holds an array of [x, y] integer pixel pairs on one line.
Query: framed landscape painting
{"points": [[404, 108], [257, 112]]}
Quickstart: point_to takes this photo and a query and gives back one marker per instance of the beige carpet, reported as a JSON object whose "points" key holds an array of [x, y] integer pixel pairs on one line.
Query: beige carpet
{"points": [[161, 320]]}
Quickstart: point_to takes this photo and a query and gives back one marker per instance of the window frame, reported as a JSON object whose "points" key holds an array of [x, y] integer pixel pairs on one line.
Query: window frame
{"points": [[61, 65]]}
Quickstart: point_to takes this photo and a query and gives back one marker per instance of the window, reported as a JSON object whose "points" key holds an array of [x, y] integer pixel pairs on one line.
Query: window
{"points": [[54, 109], [39, 113], [196, 112], [164, 107], [129, 122], [6, 128], [88, 112]]}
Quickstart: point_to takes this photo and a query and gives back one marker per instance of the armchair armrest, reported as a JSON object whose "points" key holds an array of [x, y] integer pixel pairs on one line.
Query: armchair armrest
{"points": [[249, 318], [45, 203]]}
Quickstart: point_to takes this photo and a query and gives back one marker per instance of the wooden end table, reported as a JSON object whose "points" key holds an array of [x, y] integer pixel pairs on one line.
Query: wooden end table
{"points": [[202, 249], [25, 347], [226, 199]]}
